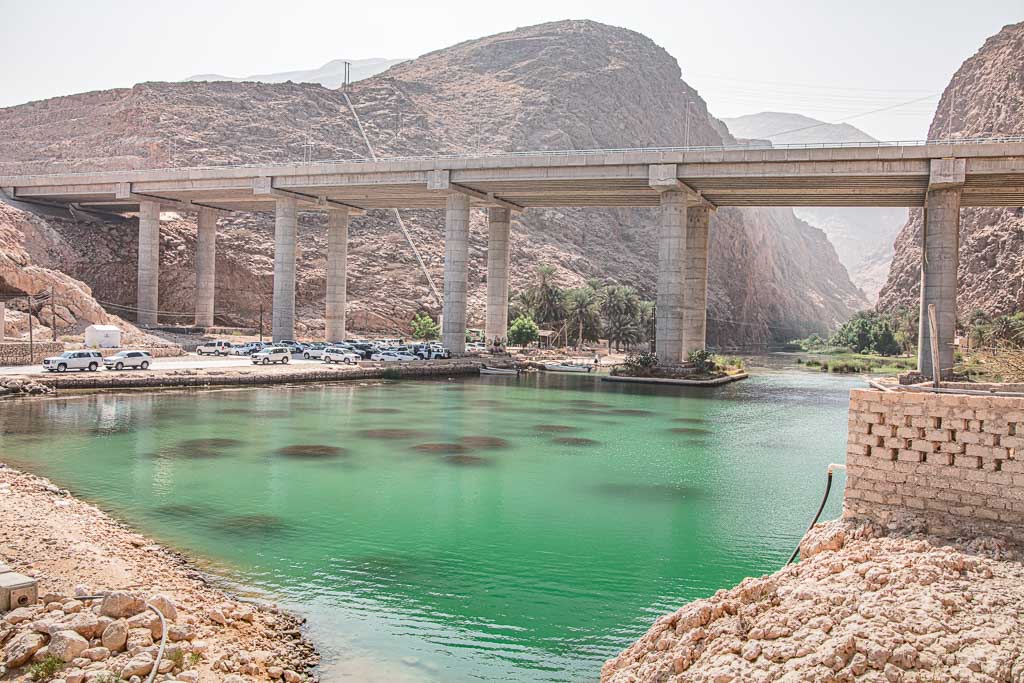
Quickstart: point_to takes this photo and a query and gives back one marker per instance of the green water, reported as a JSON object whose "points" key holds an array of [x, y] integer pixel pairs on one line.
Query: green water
{"points": [[485, 529]]}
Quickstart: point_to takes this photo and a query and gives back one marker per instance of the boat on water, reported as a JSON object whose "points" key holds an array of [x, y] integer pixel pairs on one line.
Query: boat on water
{"points": [[567, 367], [484, 370]]}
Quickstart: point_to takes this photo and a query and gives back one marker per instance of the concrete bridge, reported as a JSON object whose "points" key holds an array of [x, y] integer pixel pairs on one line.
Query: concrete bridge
{"points": [[687, 184]]}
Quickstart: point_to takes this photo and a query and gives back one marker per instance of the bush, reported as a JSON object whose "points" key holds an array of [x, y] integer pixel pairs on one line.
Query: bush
{"points": [[523, 331], [637, 364], [703, 360], [424, 327], [46, 669]]}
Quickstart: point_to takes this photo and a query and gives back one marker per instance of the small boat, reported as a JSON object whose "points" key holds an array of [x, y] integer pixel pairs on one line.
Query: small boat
{"points": [[484, 370], [567, 367]]}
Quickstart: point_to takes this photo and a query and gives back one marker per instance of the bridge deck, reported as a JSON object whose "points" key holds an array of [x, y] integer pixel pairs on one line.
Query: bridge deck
{"points": [[860, 175]]}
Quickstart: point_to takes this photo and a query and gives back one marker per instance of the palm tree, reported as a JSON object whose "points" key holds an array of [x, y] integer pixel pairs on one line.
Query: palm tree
{"points": [[547, 297], [581, 313], [620, 300], [622, 330], [645, 319]]}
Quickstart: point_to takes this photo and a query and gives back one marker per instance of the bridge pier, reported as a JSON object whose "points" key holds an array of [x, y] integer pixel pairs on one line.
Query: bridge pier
{"points": [[148, 293], [206, 260], [939, 260], [283, 317], [669, 311], [499, 223], [695, 280], [456, 253], [337, 257]]}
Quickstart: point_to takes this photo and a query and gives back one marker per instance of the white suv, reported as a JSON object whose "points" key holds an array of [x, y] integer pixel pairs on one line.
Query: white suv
{"points": [[128, 359], [74, 360], [272, 354], [336, 354], [215, 348]]}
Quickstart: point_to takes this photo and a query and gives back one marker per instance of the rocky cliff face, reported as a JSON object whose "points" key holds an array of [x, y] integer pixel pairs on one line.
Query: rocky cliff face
{"points": [[863, 237], [554, 86], [984, 99]]}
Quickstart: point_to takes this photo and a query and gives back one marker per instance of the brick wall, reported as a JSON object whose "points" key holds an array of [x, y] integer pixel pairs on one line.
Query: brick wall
{"points": [[947, 464]]}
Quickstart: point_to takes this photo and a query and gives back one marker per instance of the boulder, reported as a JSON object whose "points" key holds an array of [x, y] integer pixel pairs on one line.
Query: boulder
{"points": [[16, 616], [96, 654], [21, 649], [120, 604], [139, 665], [165, 605], [85, 623], [67, 645], [176, 632], [115, 636], [139, 638]]}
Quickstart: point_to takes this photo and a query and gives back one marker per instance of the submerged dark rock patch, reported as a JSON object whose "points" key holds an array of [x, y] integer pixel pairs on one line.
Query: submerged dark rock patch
{"points": [[466, 460], [440, 448], [690, 420], [635, 412], [389, 433], [381, 411], [311, 451], [554, 428], [180, 511], [690, 430], [575, 441], [586, 403], [251, 524], [199, 448], [485, 442]]}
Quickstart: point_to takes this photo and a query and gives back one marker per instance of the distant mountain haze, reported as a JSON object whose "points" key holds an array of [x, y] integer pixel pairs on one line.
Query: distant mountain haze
{"points": [[863, 237], [330, 75]]}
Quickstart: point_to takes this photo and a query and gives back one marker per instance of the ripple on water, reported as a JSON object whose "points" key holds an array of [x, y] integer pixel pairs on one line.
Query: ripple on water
{"points": [[633, 412], [380, 411], [465, 460], [549, 428], [440, 448], [265, 413], [650, 493], [586, 403], [690, 420], [311, 451], [575, 441], [485, 442]]}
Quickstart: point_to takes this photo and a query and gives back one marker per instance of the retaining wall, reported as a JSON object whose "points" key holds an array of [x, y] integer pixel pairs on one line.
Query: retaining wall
{"points": [[16, 353], [948, 464]]}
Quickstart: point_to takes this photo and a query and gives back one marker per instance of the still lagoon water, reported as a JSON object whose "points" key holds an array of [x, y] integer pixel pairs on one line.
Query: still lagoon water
{"points": [[490, 528]]}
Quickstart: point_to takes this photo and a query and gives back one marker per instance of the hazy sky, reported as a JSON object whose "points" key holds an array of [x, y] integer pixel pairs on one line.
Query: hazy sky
{"points": [[827, 59]]}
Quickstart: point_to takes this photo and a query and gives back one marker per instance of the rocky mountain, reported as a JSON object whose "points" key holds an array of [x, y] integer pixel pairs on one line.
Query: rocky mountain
{"points": [[863, 237], [564, 85], [985, 98], [330, 75]]}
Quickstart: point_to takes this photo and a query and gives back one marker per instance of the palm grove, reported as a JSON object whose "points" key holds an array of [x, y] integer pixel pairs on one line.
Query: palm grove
{"points": [[593, 311]]}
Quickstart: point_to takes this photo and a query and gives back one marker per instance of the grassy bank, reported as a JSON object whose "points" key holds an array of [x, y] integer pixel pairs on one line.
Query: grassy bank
{"points": [[846, 362]]}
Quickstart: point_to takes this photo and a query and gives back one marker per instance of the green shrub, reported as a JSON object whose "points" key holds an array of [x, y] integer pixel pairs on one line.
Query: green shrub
{"points": [[703, 360], [46, 669], [523, 331]]}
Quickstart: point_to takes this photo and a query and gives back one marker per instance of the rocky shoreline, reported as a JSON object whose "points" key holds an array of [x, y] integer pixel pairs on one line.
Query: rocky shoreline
{"points": [[859, 606], [74, 549]]}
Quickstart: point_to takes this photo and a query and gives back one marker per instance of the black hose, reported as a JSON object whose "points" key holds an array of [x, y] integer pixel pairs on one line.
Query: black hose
{"points": [[828, 487]]}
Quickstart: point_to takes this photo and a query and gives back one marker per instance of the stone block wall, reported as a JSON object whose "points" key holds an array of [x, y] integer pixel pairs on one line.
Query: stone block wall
{"points": [[16, 353], [948, 464]]}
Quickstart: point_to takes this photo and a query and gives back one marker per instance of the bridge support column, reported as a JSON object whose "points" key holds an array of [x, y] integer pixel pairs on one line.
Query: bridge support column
{"points": [[669, 303], [456, 253], [283, 325], [206, 260], [940, 258], [499, 222], [337, 257], [148, 293], [695, 280]]}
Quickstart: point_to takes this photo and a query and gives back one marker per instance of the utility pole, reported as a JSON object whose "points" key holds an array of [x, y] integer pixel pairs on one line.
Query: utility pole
{"points": [[261, 320], [53, 313], [31, 343]]}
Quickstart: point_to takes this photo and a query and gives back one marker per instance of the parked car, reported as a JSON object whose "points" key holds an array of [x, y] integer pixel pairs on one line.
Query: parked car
{"points": [[431, 351], [364, 349], [247, 349], [73, 360], [293, 346], [339, 354], [312, 351], [215, 348], [128, 359], [392, 356], [272, 354]]}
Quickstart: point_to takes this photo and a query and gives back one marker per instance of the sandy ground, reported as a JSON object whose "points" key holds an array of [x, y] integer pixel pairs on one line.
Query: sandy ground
{"points": [[64, 542]]}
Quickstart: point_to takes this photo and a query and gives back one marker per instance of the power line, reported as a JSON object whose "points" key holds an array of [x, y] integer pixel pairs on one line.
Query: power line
{"points": [[855, 116]]}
